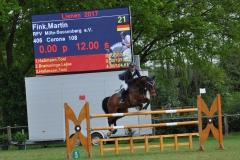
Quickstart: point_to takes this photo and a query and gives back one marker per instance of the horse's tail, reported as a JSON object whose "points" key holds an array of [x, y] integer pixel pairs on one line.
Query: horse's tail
{"points": [[104, 104]]}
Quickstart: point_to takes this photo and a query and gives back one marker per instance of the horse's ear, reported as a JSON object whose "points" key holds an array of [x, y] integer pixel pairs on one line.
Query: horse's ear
{"points": [[153, 77]]}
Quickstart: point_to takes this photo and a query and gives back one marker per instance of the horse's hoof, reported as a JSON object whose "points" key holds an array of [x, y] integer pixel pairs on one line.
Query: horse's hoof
{"points": [[138, 108], [109, 134], [114, 131], [144, 108]]}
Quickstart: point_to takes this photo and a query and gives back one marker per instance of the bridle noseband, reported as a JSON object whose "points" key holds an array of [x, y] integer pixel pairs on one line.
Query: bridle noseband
{"points": [[151, 83]]}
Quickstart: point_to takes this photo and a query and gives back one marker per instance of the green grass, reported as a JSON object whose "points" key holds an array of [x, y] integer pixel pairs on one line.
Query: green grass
{"points": [[58, 152]]}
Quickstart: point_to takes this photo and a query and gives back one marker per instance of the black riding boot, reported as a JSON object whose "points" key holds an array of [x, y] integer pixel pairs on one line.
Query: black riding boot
{"points": [[122, 96]]}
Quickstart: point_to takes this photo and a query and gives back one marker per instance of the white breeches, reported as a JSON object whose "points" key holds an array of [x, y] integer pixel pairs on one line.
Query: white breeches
{"points": [[124, 85]]}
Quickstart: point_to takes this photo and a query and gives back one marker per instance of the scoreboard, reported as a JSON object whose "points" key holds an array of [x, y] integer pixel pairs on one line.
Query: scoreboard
{"points": [[81, 41]]}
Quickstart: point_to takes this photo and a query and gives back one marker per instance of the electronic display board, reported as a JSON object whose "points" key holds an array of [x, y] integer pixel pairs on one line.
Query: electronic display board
{"points": [[82, 41]]}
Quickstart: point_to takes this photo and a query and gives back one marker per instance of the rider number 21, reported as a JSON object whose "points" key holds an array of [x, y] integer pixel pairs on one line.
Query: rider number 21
{"points": [[121, 19]]}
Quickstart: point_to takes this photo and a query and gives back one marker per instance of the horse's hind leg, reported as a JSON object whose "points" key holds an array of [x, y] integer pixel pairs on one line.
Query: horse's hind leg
{"points": [[115, 124], [111, 120], [114, 121], [116, 118]]}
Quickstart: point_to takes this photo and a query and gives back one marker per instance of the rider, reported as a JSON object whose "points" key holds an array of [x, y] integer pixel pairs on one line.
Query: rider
{"points": [[128, 78], [126, 39]]}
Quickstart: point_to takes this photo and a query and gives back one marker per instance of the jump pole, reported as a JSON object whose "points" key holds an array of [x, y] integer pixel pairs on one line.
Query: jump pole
{"points": [[146, 125], [143, 113]]}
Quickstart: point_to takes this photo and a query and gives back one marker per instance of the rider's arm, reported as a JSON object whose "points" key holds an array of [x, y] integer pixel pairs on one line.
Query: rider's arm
{"points": [[126, 78]]}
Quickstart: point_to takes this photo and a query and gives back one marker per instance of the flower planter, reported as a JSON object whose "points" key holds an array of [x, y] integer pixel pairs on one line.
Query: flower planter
{"points": [[20, 138], [4, 147], [21, 146]]}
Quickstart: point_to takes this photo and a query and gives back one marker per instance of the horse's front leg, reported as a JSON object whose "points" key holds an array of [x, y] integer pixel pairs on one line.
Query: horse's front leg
{"points": [[139, 106], [147, 104]]}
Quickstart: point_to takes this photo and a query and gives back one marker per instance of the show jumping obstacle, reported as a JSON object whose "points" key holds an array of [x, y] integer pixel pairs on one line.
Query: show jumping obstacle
{"points": [[146, 146], [203, 134]]}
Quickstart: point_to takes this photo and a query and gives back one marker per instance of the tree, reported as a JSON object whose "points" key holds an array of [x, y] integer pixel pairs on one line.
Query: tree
{"points": [[183, 37]]}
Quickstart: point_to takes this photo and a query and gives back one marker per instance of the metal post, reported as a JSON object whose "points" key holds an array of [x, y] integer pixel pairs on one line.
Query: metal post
{"points": [[225, 121]]}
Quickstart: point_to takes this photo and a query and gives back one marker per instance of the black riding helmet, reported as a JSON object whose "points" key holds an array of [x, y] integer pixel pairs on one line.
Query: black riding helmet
{"points": [[131, 65]]}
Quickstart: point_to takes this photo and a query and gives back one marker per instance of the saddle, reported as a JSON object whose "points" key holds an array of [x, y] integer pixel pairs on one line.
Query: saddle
{"points": [[122, 91]]}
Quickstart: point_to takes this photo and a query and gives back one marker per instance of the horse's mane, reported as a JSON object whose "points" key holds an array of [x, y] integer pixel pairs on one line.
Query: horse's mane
{"points": [[149, 79], [138, 78]]}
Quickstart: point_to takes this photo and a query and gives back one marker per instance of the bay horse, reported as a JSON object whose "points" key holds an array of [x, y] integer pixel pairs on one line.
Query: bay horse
{"points": [[136, 97]]}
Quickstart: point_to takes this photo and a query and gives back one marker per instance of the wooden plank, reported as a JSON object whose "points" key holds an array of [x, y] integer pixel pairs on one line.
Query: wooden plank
{"points": [[138, 147], [220, 140], [176, 142], [190, 141], [151, 137], [116, 146], [109, 149], [146, 144], [131, 145], [101, 147], [183, 144], [146, 125], [145, 113]]}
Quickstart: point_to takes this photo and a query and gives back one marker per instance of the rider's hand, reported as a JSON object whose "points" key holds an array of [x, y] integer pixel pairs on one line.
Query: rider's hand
{"points": [[123, 44]]}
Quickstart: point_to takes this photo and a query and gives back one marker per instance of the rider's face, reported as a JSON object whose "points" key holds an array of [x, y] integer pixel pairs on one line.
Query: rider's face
{"points": [[123, 36], [132, 69]]}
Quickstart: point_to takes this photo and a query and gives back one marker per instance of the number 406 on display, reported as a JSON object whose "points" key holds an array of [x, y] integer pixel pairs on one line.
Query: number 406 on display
{"points": [[37, 40]]}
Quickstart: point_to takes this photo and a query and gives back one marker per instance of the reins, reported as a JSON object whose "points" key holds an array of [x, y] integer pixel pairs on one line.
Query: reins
{"points": [[142, 91]]}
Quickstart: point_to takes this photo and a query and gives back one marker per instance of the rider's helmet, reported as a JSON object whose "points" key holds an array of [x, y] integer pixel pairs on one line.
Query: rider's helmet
{"points": [[123, 33], [131, 65]]}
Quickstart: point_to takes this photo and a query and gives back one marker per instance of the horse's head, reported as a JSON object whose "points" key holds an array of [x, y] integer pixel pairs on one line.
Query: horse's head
{"points": [[148, 83]]}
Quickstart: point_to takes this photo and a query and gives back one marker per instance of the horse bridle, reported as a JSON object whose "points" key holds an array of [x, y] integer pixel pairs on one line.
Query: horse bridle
{"points": [[151, 83]]}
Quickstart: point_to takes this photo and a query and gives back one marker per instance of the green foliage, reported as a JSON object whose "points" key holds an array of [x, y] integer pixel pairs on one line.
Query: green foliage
{"points": [[232, 104], [12, 93], [4, 140], [129, 132], [20, 138], [180, 38], [234, 123]]}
